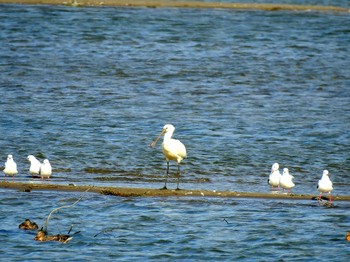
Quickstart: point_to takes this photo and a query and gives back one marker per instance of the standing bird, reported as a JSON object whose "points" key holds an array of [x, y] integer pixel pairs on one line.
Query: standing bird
{"points": [[275, 175], [35, 164], [173, 149], [286, 180], [325, 185], [45, 169], [10, 167]]}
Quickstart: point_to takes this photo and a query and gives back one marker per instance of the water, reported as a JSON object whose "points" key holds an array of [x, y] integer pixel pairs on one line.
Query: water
{"points": [[163, 229], [341, 3], [90, 88]]}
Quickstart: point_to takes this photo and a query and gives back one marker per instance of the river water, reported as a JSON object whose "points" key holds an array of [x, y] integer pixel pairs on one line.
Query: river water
{"points": [[90, 88]]}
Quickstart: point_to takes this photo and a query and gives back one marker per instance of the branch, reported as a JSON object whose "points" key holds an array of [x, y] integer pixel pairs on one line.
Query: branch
{"points": [[44, 227]]}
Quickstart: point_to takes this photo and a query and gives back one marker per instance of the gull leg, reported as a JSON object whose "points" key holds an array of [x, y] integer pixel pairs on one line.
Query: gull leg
{"points": [[319, 199]]}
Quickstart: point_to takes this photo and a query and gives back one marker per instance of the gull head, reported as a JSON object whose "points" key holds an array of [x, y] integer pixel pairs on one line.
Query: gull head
{"points": [[275, 167]]}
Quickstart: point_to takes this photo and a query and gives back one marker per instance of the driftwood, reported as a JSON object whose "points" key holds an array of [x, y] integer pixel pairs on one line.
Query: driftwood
{"points": [[42, 234], [44, 227]]}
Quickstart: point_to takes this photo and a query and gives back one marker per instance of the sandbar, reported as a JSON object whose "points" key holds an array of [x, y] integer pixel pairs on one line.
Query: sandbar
{"points": [[151, 192], [182, 4]]}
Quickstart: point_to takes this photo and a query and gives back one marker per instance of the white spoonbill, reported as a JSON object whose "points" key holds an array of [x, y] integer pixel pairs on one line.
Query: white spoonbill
{"points": [[286, 180], [173, 149], [35, 164], [275, 175], [10, 167], [325, 185], [45, 169]]}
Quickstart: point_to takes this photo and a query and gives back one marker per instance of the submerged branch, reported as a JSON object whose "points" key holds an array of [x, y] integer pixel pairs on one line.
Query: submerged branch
{"points": [[44, 227]]}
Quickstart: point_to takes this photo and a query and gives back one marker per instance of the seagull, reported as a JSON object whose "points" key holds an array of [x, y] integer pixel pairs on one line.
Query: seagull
{"points": [[10, 167], [325, 185], [286, 180], [45, 169], [34, 165], [173, 149], [275, 175]]}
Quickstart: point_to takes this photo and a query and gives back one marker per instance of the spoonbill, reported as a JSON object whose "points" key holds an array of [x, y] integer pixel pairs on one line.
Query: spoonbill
{"points": [[275, 175], [10, 167], [325, 185], [35, 164], [45, 169], [173, 150], [286, 180]]}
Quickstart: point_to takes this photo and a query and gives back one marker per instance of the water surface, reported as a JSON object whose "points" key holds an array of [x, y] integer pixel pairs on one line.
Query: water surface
{"points": [[90, 88]]}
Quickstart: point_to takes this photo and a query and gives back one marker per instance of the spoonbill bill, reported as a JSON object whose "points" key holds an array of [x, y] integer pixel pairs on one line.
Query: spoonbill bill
{"points": [[275, 176], [173, 150], [325, 185], [10, 167]]}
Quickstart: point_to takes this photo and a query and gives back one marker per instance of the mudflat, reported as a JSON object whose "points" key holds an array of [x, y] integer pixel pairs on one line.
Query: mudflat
{"points": [[149, 192], [183, 4]]}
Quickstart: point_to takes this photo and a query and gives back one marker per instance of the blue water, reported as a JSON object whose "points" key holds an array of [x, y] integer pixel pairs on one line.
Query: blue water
{"points": [[341, 3], [90, 88]]}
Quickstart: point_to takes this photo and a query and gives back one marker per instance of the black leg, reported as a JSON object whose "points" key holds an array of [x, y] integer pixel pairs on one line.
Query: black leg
{"points": [[178, 178], [167, 174]]}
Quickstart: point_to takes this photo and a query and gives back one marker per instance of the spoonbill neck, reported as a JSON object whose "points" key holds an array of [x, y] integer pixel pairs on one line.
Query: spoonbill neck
{"points": [[168, 135]]}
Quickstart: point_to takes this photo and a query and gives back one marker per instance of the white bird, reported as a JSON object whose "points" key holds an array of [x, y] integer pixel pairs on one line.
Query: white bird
{"points": [[325, 185], [10, 167], [173, 149], [45, 169], [35, 165], [286, 180], [275, 175]]}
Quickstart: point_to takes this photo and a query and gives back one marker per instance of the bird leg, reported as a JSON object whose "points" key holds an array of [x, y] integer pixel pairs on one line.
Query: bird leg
{"points": [[167, 174], [178, 178]]}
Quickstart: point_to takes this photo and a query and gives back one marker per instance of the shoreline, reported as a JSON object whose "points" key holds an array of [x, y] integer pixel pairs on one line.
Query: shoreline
{"points": [[149, 192], [181, 4]]}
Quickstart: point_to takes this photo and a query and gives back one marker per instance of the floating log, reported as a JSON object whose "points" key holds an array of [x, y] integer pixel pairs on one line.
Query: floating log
{"points": [[149, 192]]}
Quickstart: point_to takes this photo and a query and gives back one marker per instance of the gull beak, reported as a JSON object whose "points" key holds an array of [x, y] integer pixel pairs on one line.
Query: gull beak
{"points": [[154, 142]]}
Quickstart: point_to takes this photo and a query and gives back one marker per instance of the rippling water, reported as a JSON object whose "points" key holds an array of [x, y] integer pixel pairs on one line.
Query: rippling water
{"points": [[163, 229], [90, 88], [342, 3]]}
